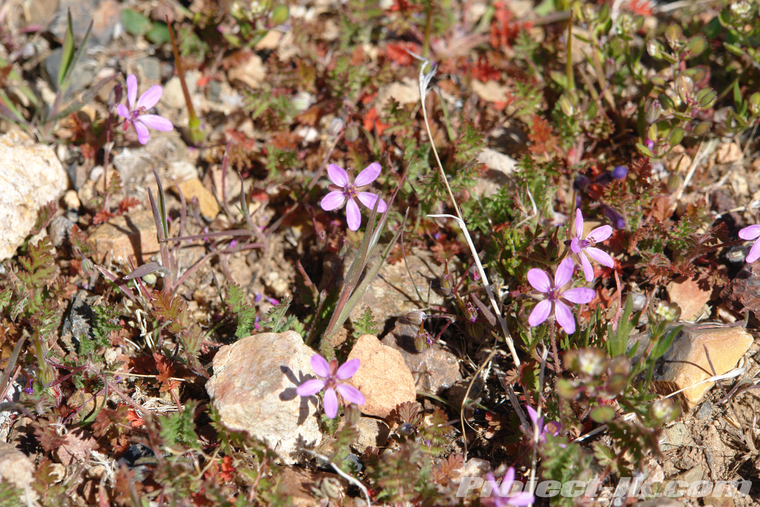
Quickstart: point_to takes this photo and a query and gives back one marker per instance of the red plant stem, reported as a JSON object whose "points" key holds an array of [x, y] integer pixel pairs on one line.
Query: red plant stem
{"points": [[180, 72]]}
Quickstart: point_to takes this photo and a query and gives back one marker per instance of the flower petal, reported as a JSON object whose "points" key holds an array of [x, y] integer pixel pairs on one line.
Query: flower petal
{"points": [[320, 366], [333, 200], [532, 413], [564, 317], [575, 245], [337, 175], [540, 313], [506, 482], [142, 132], [578, 223], [588, 271], [156, 122], [564, 272], [348, 369], [579, 295], [539, 280], [754, 254], [353, 215], [122, 111], [521, 499], [310, 387], [351, 394], [600, 234], [131, 91], [368, 175], [151, 97], [751, 232], [600, 256], [368, 199], [331, 403]]}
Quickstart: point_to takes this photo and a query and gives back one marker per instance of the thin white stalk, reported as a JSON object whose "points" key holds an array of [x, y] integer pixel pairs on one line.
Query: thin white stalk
{"points": [[424, 81]]}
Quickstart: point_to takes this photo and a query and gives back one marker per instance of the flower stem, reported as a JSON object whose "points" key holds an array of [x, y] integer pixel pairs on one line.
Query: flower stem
{"points": [[193, 123]]}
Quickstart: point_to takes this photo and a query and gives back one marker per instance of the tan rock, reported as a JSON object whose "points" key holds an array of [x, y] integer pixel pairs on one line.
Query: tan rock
{"points": [[254, 390], [133, 234], [406, 91], [251, 72], [194, 188], [270, 41], [383, 378], [77, 447], [690, 295], [728, 153], [297, 483], [30, 176], [71, 200], [685, 364], [490, 91], [15, 467]]}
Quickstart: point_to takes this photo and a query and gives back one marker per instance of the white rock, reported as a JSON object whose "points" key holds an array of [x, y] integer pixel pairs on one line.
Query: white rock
{"points": [[30, 177], [254, 390]]}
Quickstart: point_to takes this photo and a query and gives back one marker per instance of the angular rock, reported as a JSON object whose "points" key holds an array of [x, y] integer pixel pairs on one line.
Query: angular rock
{"points": [[383, 378], [728, 153], [690, 295], [372, 432], [206, 200], [30, 177], [434, 370], [490, 91], [132, 164], [685, 364], [77, 447], [500, 167], [16, 468], [132, 234], [251, 72], [254, 390], [392, 293], [744, 290]]}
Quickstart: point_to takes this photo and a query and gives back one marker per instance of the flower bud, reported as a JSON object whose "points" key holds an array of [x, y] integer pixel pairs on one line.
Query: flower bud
{"points": [[620, 172], [684, 87], [653, 112], [618, 222], [663, 411], [566, 106], [754, 104], [352, 133], [471, 312]]}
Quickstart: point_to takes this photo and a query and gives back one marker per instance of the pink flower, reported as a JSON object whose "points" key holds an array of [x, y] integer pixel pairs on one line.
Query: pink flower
{"points": [[343, 190], [581, 247], [749, 233], [504, 494], [555, 298], [137, 115], [550, 427], [330, 382]]}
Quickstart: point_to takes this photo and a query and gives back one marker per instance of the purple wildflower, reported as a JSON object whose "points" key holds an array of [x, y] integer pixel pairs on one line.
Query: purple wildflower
{"points": [[343, 189], [137, 115], [555, 298], [551, 427], [750, 233], [330, 382], [581, 247], [504, 495]]}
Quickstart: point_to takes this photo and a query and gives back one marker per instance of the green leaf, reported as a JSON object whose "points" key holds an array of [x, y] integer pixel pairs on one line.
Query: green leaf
{"points": [[75, 59], [135, 23], [159, 34], [179, 427], [602, 414], [68, 52]]}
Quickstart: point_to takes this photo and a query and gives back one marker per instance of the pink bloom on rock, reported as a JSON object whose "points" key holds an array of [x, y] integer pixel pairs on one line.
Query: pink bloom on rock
{"points": [[137, 115], [504, 495], [344, 190], [555, 298], [330, 381], [750, 233], [581, 247]]}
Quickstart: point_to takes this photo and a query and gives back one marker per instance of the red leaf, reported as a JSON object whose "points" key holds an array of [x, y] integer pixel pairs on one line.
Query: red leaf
{"points": [[127, 203], [102, 216], [371, 120], [397, 52]]}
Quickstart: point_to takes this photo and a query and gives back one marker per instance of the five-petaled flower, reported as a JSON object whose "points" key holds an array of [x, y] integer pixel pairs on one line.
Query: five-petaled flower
{"points": [[344, 190], [137, 115], [581, 247], [750, 233], [551, 427], [504, 495], [330, 382], [555, 298]]}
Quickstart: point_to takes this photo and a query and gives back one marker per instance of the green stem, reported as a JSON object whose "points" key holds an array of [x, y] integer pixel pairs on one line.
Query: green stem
{"points": [[193, 123]]}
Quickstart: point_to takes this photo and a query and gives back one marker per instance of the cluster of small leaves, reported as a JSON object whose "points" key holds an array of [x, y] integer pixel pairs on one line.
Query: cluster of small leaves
{"points": [[245, 313], [366, 324], [179, 427], [277, 320], [173, 311]]}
